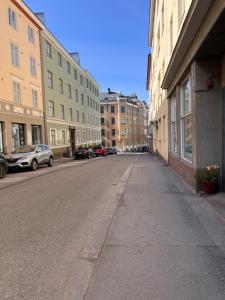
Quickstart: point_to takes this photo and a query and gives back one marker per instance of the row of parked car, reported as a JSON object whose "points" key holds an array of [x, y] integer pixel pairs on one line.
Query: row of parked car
{"points": [[88, 152], [32, 156]]}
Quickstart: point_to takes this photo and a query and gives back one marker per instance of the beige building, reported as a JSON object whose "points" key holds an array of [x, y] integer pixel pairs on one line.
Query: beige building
{"points": [[186, 76], [21, 100], [124, 121]]}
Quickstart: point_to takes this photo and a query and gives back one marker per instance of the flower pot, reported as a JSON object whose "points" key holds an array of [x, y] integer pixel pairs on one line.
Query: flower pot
{"points": [[209, 187]]}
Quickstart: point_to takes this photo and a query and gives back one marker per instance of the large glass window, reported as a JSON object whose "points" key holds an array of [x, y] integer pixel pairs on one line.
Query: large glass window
{"points": [[36, 134], [18, 135], [173, 125], [186, 120]]}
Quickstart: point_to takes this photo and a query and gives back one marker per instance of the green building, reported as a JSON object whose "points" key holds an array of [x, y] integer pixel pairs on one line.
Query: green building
{"points": [[71, 99]]}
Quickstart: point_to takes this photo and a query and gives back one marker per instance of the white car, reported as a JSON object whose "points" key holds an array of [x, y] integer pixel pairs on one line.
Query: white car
{"points": [[30, 156]]}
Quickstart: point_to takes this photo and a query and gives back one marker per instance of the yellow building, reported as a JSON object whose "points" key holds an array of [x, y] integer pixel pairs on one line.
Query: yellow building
{"points": [[186, 79], [21, 101]]}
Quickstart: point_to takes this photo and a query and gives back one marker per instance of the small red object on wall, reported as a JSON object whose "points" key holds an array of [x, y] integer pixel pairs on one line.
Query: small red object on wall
{"points": [[209, 84]]}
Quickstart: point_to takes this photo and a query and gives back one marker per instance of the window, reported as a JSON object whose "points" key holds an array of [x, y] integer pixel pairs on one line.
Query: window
{"points": [[174, 141], [18, 135], [123, 132], [113, 121], [102, 121], [123, 109], [36, 134], [16, 92], [103, 132], [71, 114], [113, 143], [113, 132], [12, 18], [62, 113], [102, 109], [123, 121], [68, 68], [77, 116], [88, 101], [186, 120], [63, 137], [112, 109], [87, 82], [34, 98], [89, 85], [75, 74], [15, 55], [53, 136], [81, 79], [171, 34], [51, 109], [83, 136], [76, 96], [32, 66], [48, 50], [60, 86], [31, 35], [50, 80], [181, 10], [82, 98], [83, 118], [59, 60], [69, 91]]}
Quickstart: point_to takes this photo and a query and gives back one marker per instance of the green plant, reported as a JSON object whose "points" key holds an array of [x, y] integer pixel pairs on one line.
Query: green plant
{"points": [[210, 174]]}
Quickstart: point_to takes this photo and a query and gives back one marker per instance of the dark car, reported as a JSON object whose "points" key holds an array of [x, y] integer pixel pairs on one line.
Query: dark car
{"points": [[84, 152], [110, 151], [3, 166], [100, 151]]}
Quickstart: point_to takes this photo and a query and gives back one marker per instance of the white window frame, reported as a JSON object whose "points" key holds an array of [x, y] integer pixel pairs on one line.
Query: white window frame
{"points": [[55, 136], [50, 106], [15, 59], [34, 98], [33, 70], [173, 125], [17, 88]]}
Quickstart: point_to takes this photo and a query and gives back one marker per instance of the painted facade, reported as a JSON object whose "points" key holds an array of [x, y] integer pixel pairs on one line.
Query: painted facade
{"points": [[71, 99], [21, 99], [124, 121], [192, 80]]}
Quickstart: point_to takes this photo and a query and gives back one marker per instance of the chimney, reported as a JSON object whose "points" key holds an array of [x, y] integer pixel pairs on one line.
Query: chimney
{"points": [[76, 56], [109, 91], [41, 17]]}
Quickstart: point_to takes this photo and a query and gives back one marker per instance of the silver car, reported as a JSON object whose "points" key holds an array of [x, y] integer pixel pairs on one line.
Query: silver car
{"points": [[30, 157]]}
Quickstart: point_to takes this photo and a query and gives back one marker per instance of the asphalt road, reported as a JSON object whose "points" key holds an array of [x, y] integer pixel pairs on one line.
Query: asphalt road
{"points": [[116, 228], [47, 225]]}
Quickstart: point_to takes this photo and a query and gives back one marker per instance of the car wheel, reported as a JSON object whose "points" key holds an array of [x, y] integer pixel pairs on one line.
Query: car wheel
{"points": [[34, 165], [50, 163], [2, 171]]}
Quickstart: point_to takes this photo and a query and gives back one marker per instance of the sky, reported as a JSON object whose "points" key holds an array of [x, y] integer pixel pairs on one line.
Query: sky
{"points": [[110, 35]]}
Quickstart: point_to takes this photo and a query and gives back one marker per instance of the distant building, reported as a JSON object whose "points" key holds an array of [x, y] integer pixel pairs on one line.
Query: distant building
{"points": [[124, 121], [21, 98], [186, 79]]}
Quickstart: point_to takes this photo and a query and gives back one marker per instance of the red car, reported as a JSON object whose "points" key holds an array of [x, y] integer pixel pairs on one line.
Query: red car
{"points": [[100, 151]]}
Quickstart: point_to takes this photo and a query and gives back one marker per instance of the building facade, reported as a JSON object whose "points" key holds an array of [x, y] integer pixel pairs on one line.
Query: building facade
{"points": [[191, 77], [124, 121], [72, 107], [21, 98]]}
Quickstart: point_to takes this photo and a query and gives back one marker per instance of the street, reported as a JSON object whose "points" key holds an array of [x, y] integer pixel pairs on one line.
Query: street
{"points": [[107, 229]]}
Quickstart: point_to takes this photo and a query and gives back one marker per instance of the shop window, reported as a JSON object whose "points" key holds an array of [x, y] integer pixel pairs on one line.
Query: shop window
{"points": [[18, 135], [173, 129], [36, 134], [186, 120]]}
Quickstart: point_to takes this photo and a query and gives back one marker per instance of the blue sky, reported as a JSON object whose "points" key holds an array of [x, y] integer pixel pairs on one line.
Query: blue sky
{"points": [[111, 36]]}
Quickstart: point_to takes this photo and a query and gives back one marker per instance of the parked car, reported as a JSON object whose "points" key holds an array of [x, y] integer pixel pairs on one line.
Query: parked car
{"points": [[30, 156], [100, 151], [110, 151], [3, 166], [84, 152]]}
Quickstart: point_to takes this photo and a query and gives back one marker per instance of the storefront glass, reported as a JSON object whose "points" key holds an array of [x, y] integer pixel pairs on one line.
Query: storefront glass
{"points": [[36, 134], [18, 135]]}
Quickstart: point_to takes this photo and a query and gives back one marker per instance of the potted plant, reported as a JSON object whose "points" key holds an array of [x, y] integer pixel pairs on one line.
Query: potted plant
{"points": [[209, 179]]}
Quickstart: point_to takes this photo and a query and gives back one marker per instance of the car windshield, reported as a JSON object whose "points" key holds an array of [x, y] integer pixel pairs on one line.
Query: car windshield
{"points": [[25, 149]]}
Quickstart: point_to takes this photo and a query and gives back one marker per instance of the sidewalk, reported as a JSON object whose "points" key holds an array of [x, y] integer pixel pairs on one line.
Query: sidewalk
{"points": [[164, 242]]}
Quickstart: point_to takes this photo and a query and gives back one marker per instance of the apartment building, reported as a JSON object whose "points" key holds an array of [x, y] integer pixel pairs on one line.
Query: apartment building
{"points": [[71, 98], [21, 99], [123, 120], [186, 75]]}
